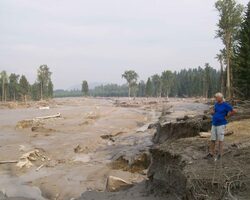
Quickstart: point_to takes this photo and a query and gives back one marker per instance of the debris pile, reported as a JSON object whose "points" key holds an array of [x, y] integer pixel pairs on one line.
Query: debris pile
{"points": [[27, 123], [27, 159]]}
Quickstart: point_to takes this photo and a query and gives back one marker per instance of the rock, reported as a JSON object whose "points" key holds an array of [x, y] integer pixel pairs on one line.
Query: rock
{"points": [[115, 184]]}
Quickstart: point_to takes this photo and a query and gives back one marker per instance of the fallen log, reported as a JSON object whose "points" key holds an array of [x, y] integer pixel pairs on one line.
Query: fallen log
{"points": [[205, 134], [8, 161], [50, 116], [208, 134]]}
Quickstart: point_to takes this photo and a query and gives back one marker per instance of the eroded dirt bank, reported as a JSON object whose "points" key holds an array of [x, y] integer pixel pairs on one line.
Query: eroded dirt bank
{"points": [[76, 152], [178, 167]]}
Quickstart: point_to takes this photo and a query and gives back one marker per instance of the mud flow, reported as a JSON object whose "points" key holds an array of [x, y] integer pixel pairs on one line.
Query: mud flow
{"points": [[67, 147]]}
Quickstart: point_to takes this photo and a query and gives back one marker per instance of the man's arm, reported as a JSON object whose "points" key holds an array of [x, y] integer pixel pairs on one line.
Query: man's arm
{"points": [[212, 110], [231, 113]]}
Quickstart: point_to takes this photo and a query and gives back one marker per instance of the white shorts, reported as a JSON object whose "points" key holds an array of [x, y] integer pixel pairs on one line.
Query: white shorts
{"points": [[217, 133]]}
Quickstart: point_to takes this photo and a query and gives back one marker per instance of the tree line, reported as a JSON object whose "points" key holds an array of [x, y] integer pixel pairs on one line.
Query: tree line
{"points": [[196, 82], [185, 83], [15, 87]]}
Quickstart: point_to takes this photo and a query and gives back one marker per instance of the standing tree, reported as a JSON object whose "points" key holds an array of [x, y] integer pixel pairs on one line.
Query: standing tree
{"points": [[24, 87], [220, 58], [207, 81], [4, 83], [13, 85], [141, 89], [149, 88], [50, 89], [131, 78], [242, 58], [230, 14], [35, 91], [156, 81], [167, 82], [43, 78], [85, 88]]}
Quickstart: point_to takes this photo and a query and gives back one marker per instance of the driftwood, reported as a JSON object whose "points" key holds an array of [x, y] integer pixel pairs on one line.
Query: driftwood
{"points": [[8, 161], [205, 134], [208, 134], [40, 167], [50, 116]]}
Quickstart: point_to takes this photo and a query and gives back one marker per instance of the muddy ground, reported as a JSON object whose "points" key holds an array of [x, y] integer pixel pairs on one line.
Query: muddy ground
{"points": [[77, 150]]}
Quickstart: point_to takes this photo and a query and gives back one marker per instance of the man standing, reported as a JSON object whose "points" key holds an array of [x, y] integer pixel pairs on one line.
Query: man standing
{"points": [[220, 112]]}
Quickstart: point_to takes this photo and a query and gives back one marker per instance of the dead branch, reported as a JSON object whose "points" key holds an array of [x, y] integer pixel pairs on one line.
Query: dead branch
{"points": [[8, 161], [50, 116]]}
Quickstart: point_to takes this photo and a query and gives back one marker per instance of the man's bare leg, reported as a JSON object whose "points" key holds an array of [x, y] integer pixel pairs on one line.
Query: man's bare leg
{"points": [[212, 147], [220, 148]]}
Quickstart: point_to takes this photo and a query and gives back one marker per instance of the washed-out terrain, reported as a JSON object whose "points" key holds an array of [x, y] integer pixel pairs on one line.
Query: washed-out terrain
{"points": [[68, 148]]}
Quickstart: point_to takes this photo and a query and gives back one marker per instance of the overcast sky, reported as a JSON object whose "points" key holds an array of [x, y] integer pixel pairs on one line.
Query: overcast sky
{"points": [[98, 40]]}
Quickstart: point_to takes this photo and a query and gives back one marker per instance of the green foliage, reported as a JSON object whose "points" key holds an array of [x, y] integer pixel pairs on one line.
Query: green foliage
{"points": [[50, 89], [43, 78], [24, 87], [85, 88], [149, 88], [35, 91], [13, 86], [66, 93], [141, 89], [230, 14], [110, 90], [241, 70], [4, 85], [167, 82], [156, 85], [131, 78]]}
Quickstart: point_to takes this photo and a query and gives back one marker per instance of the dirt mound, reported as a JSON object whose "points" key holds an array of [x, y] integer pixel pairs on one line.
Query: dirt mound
{"points": [[188, 126], [178, 167]]}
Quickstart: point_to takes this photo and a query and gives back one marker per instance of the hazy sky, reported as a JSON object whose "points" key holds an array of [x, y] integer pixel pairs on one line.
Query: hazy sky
{"points": [[97, 40]]}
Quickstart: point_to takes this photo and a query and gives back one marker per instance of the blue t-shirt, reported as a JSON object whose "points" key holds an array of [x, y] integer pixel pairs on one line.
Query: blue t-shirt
{"points": [[220, 112]]}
